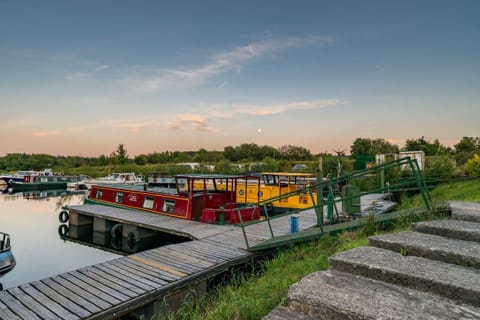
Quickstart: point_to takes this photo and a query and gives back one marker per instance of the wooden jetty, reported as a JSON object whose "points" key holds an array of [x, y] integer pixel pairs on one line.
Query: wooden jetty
{"points": [[141, 283], [144, 283]]}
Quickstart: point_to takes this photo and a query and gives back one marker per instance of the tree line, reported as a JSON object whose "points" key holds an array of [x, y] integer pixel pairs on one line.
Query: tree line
{"points": [[462, 151]]}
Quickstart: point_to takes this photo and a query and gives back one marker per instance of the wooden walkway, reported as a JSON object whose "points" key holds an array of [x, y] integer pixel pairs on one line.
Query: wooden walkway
{"points": [[117, 287]]}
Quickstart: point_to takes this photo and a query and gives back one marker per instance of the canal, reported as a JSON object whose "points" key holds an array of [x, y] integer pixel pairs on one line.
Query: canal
{"points": [[31, 219]]}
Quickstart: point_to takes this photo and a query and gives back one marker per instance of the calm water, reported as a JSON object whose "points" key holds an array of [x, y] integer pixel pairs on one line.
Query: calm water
{"points": [[31, 219]]}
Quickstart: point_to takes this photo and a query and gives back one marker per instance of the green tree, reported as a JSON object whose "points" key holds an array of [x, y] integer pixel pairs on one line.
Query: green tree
{"points": [[295, 153], [120, 156], [141, 159], [434, 148], [371, 147]]}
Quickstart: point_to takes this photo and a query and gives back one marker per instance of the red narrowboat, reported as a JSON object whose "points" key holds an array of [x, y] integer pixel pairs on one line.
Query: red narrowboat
{"points": [[209, 198]]}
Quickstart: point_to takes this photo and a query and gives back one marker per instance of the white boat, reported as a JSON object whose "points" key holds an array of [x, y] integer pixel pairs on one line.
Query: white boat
{"points": [[116, 178]]}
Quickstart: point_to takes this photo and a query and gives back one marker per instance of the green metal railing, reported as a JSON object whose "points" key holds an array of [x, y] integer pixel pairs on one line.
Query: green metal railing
{"points": [[331, 189]]}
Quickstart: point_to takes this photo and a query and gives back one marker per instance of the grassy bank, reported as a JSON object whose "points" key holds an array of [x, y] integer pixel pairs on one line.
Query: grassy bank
{"points": [[253, 295]]}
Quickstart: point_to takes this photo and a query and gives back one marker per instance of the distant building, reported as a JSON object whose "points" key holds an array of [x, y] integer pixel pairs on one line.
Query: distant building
{"points": [[414, 155]]}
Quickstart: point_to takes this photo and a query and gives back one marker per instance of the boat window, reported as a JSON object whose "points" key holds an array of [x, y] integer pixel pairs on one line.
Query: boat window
{"points": [[148, 202], [119, 197], [168, 206], [270, 180], [99, 194], [42, 179]]}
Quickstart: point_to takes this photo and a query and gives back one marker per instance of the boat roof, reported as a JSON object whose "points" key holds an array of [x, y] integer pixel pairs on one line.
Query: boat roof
{"points": [[213, 176], [290, 174]]}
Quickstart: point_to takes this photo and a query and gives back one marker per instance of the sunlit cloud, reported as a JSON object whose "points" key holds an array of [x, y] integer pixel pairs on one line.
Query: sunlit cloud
{"points": [[235, 59], [201, 121], [46, 133]]}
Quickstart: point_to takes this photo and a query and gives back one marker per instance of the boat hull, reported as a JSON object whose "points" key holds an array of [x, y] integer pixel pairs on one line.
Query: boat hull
{"points": [[7, 261], [29, 186]]}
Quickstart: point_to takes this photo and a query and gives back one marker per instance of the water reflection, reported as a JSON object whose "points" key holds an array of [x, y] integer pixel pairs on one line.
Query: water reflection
{"points": [[31, 220]]}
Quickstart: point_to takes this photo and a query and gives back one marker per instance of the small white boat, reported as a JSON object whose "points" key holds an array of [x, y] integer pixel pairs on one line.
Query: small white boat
{"points": [[116, 178]]}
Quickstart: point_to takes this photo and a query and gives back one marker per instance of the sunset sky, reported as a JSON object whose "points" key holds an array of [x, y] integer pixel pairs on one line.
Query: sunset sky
{"points": [[81, 77]]}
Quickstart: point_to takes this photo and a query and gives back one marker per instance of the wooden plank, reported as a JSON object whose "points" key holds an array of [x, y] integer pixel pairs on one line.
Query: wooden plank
{"points": [[5, 313], [33, 305], [187, 257], [172, 262], [72, 296], [175, 265], [151, 271], [101, 289], [215, 249], [205, 249], [190, 251], [17, 307], [130, 276], [156, 265], [95, 296], [105, 283], [141, 273], [48, 302], [121, 279], [168, 277]]}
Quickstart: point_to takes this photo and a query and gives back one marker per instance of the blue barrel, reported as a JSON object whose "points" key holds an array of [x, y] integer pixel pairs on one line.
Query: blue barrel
{"points": [[294, 224]]}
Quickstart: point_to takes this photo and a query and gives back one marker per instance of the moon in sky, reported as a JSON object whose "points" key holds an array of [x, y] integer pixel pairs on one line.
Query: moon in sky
{"points": [[259, 130]]}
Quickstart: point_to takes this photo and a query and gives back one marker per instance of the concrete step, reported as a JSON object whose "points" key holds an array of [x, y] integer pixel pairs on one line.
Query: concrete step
{"points": [[469, 211], [337, 295], [456, 229], [458, 283], [283, 313], [465, 253]]}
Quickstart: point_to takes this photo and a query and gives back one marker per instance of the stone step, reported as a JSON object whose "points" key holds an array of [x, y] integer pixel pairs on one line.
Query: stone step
{"points": [[469, 211], [337, 295], [456, 229], [458, 283], [465, 253], [283, 313]]}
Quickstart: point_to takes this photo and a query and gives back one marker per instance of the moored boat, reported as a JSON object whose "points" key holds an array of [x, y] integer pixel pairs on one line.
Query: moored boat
{"points": [[277, 185], [196, 197], [116, 178], [42, 182], [7, 260], [18, 176]]}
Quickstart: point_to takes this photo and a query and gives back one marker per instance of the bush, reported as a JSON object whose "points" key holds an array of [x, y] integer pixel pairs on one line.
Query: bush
{"points": [[473, 166], [439, 168]]}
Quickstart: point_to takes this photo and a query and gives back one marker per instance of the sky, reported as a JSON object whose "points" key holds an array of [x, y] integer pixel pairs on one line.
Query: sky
{"points": [[82, 77]]}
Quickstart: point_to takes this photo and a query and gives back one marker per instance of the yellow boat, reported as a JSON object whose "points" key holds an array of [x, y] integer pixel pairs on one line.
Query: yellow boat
{"points": [[274, 185], [277, 184]]}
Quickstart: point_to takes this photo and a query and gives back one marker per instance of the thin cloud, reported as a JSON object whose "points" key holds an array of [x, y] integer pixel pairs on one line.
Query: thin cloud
{"points": [[201, 122], [235, 59], [91, 70], [46, 133]]}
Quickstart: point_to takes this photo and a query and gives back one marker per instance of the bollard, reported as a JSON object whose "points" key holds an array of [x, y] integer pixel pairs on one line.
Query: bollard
{"points": [[222, 218], [294, 224]]}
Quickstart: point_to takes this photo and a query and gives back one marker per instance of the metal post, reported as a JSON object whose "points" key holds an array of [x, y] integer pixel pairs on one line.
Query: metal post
{"points": [[268, 219], [319, 187], [243, 228], [382, 179]]}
